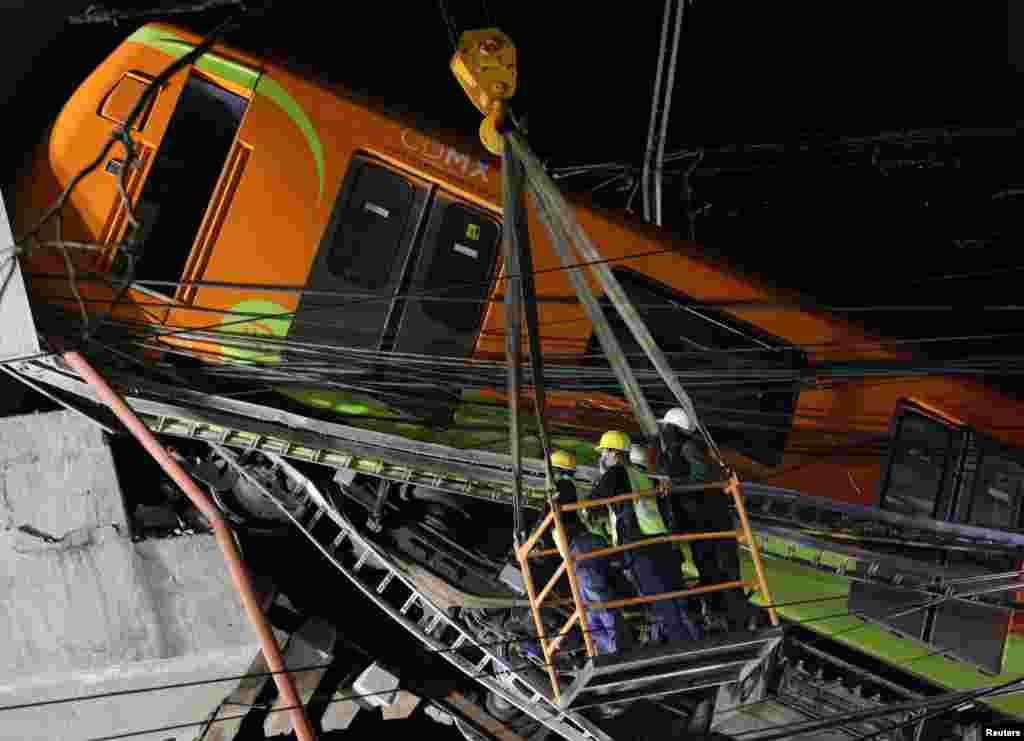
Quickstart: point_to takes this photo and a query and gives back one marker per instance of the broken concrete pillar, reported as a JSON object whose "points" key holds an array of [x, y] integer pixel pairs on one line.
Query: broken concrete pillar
{"points": [[85, 611], [311, 645]]}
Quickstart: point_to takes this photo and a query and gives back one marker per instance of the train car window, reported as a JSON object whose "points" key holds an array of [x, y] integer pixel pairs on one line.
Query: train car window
{"points": [[183, 177], [755, 419], [998, 488], [375, 217], [922, 457], [951, 472], [120, 101]]}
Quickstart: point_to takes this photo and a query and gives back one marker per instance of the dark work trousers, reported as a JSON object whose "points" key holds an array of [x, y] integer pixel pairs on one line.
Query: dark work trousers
{"points": [[717, 561], [607, 628], [656, 570]]}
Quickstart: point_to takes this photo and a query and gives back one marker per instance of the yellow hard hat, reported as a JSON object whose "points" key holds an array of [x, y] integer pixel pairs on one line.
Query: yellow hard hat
{"points": [[614, 440], [563, 459]]}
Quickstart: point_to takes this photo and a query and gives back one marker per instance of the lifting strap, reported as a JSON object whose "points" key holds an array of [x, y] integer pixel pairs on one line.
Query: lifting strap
{"points": [[556, 212], [520, 294], [512, 183]]}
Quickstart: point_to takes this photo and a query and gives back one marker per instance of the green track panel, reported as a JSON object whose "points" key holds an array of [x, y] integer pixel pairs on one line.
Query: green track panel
{"points": [[793, 583]]}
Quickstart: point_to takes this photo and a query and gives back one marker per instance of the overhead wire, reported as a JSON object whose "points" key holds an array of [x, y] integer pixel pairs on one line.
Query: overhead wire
{"points": [[449, 25], [99, 14], [729, 368], [659, 159], [479, 373], [655, 99], [962, 276], [349, 298], [289, 314], [804, 346], [572, 376], [807, 145]]}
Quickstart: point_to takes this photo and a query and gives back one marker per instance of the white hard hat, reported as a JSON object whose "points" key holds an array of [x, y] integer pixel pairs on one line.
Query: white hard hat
{"points": [[638, 455], [678, 418]]}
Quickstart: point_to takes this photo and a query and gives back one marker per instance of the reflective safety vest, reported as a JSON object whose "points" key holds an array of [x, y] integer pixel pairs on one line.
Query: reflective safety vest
{"points": [[596, 520], [647, 514]]}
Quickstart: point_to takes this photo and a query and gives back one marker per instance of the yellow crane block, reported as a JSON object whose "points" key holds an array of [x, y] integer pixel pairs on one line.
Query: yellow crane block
{"points": [[485, 66]]}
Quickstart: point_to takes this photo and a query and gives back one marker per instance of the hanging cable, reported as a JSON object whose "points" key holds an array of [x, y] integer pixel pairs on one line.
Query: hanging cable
{"points": [[659, 160], [903, 138], [99, 14], [449, 25], [655, 108], [28, 242], [512, 185]]}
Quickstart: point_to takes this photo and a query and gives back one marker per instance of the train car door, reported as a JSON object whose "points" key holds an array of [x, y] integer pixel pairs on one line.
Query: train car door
{"points": [[452, 280], [352, 293]]}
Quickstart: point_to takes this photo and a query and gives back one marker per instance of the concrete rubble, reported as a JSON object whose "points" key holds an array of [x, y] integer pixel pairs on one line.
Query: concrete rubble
{"points": [[311, 645], [376, 687], [230, 715]]}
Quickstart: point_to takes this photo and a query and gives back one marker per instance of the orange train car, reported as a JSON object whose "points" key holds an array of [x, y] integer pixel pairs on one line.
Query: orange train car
{"points": [[253, 176]]}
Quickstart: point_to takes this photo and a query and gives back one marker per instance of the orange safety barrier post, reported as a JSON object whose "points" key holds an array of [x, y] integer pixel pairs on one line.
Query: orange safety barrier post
{"points": [[524, 553], [223, 534], [755, 553]]}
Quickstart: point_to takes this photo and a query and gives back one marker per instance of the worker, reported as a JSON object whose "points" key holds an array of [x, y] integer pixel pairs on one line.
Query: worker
{"points": [[656, 510], [655, 568], [607, 627], [639, 458], [685, 459]]}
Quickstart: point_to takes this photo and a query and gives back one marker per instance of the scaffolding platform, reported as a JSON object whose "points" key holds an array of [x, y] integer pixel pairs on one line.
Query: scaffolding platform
{"points": [[659, 671], [651, 671]]}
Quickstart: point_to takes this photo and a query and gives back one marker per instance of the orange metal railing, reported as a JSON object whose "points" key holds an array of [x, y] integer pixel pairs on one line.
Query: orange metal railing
{"points": [[551, 645]]}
